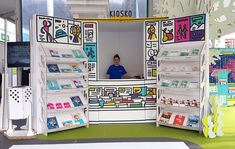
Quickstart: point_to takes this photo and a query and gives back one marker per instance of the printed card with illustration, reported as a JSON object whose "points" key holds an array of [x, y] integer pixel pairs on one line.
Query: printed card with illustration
{"points": [[165, 117], [59, 105], [78, 83], [67, 105], [77, 119], [195, 52], [179, 120], [175, 83], [76, 68], [193, 121], [184, 84], [64, 68], [52, 85], [78, 54], [67, 123], [182, 29], [66, 86], [54, 53], [167, 31], [76, 101], [50, 106], [52, 123], [53, 68]]}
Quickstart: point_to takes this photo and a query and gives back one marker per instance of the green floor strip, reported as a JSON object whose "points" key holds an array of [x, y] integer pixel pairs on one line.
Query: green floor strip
{"points": [[151, 131]]}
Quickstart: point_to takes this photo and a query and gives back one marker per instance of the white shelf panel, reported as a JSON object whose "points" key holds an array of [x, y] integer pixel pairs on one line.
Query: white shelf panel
{"points": [[67, 128], [183, 108], [66, 109], [66, 91], [59, 60], [179, 73], [178, 88], [181, 127], [65, 75], [179, 58]]}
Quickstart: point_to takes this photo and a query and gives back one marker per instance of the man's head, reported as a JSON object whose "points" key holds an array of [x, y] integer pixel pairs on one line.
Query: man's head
{"points": [[116, 60]]}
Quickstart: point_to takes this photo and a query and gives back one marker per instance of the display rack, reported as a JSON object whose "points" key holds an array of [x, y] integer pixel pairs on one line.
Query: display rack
{"points": [[62, 78], [181, 80]]}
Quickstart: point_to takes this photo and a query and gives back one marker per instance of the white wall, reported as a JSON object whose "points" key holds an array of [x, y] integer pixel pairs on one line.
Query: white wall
{"points": [[125, 39]]}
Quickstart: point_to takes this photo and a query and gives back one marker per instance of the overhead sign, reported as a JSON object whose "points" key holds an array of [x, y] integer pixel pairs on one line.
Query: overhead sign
{"points": [[120, 13]]}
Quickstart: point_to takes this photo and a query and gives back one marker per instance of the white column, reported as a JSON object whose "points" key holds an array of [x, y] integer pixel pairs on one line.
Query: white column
{"points": [[50, 7]]}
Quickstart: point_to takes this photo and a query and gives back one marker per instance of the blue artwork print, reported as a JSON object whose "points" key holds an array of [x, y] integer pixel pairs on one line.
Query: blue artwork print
{"points": [[91, 52], [197, 28]]}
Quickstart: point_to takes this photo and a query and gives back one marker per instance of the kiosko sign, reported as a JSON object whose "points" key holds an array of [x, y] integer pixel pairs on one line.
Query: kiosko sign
{"points": [[120, 13]]}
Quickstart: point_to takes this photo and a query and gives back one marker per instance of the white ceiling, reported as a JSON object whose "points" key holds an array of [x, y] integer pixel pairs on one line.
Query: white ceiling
{"points": [[7, 8]]}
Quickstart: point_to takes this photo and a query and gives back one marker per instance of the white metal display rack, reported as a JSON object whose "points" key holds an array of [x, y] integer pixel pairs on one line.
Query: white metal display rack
{"points": [[44, 95], [178, 92]]}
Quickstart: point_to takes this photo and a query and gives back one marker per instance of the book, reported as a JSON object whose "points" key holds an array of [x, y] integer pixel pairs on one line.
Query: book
{"points": [[184, 84], [175, 83], [67, 123], [193, 121], [50, 106], [76, 68], [195, 52], [58, 105], [54, 53], [165, 117], [67, 55], [67, 105], [78, 83], [76, 101], [179, 120], [77, 119], [66, 86], [53, 68], [164, 53], [77, 54], [184, 53], [52, 123], [52, 85]]}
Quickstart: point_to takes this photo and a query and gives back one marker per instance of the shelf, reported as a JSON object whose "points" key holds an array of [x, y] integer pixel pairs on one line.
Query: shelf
{"points": [[177, 88], [179, 58], [60, 60], [67, 91], [65, 75], [181, 127], [179, 73], [66, 128], [187, 108], [66, 109]]}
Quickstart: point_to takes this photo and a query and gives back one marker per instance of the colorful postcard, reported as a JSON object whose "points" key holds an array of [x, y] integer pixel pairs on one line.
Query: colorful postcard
{"points": [[182, 29], [76, 101], [52, 123], [179, 120], [52, 85], [78, 54], [58, 105], [66, 86], [67, 123], [67, 105], [78, 84], [53, 68], [54, 53], [50, 106]]}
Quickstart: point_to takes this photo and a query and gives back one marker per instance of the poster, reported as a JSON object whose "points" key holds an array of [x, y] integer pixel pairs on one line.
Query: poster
{"points": [[75, 32], [197, 28], [167, 31], [151, 29], [89, 32], [60, 30], [91, 52], [182, 29], [44, 29]]}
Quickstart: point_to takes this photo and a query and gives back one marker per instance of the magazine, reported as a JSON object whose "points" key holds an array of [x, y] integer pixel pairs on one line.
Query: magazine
{"points": [[184, 84], [78, 84], [66, 70], [67, 123], [175, 83], [76, 101], [76, 68], [193, 121], [179, 120], [53, 68], [52, 85], [67, 105], [54, 53], [195, 52], [52, 123], [165, 117], [165, 83], [67, 55], [184, 53], [58, 105], [66, 86], [50, 106], [77, 54], [164, 53]]}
